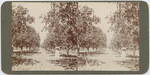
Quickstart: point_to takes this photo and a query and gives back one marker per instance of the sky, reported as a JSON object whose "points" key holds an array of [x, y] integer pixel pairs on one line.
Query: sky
{"points": [[101, 9]]}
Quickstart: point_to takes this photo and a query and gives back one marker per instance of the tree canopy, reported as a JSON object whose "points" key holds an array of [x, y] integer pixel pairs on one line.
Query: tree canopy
{"points": [[71, 26], [23, 35], [125, 24]]}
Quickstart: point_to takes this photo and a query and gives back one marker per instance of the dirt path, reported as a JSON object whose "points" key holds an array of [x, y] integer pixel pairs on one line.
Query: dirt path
{"points": [[110, 58], [42, 62], [108, 62]]}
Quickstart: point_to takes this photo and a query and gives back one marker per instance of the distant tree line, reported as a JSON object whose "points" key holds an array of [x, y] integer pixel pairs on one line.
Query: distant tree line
{"points": [[72, 26], [23, 35]]}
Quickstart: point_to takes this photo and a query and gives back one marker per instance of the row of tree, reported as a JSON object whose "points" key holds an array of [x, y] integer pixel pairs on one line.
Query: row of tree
{"points": [[125, 24], [73, 27], [23, 35]]}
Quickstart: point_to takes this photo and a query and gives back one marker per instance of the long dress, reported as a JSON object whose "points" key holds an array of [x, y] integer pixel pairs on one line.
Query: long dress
{"points": [[57, 54], [123, 54]]}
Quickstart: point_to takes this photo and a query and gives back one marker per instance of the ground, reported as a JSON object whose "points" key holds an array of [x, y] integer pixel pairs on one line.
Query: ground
{"points": [[43, 60]]}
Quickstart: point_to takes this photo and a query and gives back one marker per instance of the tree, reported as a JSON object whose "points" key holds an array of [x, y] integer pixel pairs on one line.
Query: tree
{"points": [[33, 38], [93, 38], [67, 23], [23, 35], [125, 24]]}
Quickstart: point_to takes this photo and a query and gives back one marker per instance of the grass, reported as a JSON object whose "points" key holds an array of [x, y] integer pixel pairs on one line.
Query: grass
{"points": [[17, 58], [132, 63], [19, 61]]}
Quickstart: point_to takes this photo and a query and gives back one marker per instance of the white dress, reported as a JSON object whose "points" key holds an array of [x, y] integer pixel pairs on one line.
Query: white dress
{"points": [[57, 54], [123, 54]]}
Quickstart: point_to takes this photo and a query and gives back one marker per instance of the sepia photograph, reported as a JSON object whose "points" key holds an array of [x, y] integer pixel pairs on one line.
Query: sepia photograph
{"points": [[75, 36]]}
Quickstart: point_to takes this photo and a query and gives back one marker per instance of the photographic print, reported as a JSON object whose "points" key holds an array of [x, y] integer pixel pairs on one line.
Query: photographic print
{"points": [[75, 36]]}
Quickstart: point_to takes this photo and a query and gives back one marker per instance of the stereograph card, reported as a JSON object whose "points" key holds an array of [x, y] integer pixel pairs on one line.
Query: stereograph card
{"points": [[75, 37]]}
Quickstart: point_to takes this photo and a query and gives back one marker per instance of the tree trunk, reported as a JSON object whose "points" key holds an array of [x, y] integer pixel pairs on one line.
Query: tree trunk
{"points": [[93, 49], [88, 50], [96, 48], [78, 50], [134, 52], [21, 49], [68, 51]]}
